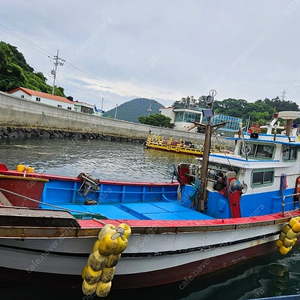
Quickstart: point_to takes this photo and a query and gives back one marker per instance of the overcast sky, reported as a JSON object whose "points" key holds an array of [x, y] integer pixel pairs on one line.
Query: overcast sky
{"points": [[165, 50]]}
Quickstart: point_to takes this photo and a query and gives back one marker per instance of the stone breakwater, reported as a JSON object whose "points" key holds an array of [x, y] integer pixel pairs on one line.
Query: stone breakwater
{"points": [[27, 133], [20, 118]]}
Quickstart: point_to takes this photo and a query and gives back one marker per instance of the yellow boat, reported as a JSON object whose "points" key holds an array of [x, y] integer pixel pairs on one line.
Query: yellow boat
{"points": [[184, 147]]}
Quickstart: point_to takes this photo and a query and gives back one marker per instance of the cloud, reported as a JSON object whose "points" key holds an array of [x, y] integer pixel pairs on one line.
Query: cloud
{"points": [[119, 50]]}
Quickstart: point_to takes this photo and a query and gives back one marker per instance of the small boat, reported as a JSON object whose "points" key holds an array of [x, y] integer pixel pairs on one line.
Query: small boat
{"points": [[226, 208], [158, 142]]}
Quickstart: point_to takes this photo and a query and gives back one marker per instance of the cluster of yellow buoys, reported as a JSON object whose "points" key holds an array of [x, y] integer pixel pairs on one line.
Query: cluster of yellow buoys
{"points": [[288, 236], [22, 168], [100, 269]]}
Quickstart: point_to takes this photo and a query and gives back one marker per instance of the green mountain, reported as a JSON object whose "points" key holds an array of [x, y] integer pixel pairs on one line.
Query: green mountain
{"points": [[131, 110], [15, 72]]}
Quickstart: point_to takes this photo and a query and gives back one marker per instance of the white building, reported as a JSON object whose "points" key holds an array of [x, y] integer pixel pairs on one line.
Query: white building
{"points": [[182, 118], [42, 97], [87, 108]]}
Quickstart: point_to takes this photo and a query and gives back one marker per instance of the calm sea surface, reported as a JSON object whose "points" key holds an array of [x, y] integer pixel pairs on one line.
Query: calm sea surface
{"points": [[267, 276]]}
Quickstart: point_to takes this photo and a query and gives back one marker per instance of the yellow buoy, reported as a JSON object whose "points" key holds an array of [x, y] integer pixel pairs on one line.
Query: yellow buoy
{"points": [[88, 289], [296, 227], [107, 274], [282, 236], [30, 170], [103, 289], [107, 229], [284, 250], [91, 276], [113, 260], [291, 234], [107, 245], [122, 244], [96, 245], [20, 168], [279, 243], [286, 228], [293, 221], [288, 242], [97, 261], [84, 272], [288, 236], [127, 228]]}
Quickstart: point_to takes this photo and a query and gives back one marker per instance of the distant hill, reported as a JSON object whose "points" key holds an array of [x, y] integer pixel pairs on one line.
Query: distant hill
{"points": [[131, 110]]}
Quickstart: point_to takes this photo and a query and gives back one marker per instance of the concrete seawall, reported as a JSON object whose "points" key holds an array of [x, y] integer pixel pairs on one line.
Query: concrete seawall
{"points": [[16, 112]]}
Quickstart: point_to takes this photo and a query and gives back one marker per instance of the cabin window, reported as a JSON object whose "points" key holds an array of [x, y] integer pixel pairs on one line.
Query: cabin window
{"points": [[22, 96], [59, 105], [262, 177], [259, 151], [70, 108], [38, 99], [289, 152], [187, 117]]}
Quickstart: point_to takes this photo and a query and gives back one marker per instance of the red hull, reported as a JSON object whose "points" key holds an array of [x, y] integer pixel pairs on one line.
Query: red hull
{"points": [[194, 269], [25, 186]]}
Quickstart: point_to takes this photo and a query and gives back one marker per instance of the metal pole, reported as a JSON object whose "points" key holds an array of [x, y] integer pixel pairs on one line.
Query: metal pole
{"points": [[55, 70], [116, 111], [202, 196], [204, 168]]}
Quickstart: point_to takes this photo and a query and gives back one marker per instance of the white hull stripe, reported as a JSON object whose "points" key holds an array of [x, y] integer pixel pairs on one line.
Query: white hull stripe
{"points": [[161, 253]]}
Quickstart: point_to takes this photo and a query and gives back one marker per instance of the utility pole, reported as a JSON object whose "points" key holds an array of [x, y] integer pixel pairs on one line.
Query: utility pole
{"points": [[283, 95], [150, 107], [57, 62], [116, 110]]}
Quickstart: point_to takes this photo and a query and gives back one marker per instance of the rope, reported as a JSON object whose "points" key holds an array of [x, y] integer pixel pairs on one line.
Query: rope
{"points": [[215, 135], [47, 122], [51, 205]]}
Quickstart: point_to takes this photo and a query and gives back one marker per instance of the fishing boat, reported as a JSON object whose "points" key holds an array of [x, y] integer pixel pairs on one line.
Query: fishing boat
{"points": [[224, 209]]}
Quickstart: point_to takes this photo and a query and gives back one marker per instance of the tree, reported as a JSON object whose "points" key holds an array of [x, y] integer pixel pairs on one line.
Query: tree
{"points": [[260, 112], [156, 120], [15, 72]]}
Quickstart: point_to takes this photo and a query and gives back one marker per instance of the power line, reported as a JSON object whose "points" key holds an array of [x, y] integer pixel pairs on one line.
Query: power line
{"points": [[24, 40], [47, 53], [43, 51]]}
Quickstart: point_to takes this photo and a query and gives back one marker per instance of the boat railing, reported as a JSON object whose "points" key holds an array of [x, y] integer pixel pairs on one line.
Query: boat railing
{"points": [[283, 203]]}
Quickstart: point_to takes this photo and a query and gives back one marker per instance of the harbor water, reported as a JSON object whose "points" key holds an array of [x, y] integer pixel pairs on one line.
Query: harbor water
{"points": [[267, 276]]}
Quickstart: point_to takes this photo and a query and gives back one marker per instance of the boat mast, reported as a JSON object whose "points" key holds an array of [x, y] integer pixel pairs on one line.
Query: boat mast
{"points": [[202, 195]]}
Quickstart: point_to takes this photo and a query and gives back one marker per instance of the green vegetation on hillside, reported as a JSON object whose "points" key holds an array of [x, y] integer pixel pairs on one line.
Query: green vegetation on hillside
{"points": [[133, 109], [260, 111], [15, 72]]}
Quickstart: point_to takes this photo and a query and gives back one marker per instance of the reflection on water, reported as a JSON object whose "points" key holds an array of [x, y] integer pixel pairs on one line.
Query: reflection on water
{"points": [[102, 159], [264, 277], [268, 276]]}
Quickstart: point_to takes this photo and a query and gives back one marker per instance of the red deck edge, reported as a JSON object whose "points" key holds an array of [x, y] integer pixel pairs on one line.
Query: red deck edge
{"points": [[76, 179], [188, 223]]}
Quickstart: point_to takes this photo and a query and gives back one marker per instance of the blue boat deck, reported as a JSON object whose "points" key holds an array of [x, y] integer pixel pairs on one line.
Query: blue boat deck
{"points": [[158, 210], [118, 201]]}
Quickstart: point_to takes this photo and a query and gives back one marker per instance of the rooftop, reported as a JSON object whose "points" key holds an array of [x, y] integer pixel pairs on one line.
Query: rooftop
{"points": [[40, 94]]}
